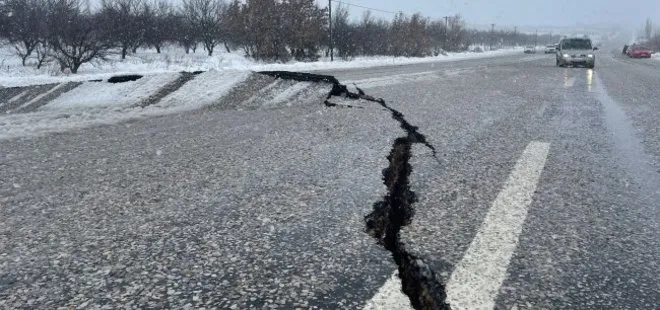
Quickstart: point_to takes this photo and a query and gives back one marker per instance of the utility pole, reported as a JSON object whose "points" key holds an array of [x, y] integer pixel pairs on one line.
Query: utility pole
{"points": [[536, 37], [492, 35], [446, 32], [332, 58], [515, 35]]}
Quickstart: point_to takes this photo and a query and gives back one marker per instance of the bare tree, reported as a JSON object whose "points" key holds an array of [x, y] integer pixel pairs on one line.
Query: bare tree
{"points": [[437, 33], [456, 34], [76, 38], [44, 52], [233, 23], [304, 28], [160, 23], [373, 36], [125, 25], [648, 29], [343, 33], [264, 39], [205, 17], [25, 26]]}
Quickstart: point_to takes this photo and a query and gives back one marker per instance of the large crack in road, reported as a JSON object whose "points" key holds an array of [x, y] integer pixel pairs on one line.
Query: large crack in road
{"points": [[419, 282]]}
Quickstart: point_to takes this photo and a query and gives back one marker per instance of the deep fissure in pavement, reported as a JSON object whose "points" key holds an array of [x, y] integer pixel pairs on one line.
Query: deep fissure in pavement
{"points": [[418, 281], [124, 78]]}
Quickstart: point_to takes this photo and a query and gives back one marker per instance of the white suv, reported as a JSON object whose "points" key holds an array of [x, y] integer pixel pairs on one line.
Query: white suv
{"points": [[575, 52]]}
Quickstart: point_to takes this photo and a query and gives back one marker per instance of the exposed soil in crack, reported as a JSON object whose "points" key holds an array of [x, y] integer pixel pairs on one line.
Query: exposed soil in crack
{"points": [[124, 78], [419, 282]]}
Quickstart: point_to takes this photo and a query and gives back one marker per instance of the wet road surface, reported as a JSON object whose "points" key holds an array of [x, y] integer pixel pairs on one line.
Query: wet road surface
{"points": [[543, 195]]}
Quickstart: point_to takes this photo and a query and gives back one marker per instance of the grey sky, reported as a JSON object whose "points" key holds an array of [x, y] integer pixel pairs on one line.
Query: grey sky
{"points": [[524, 12]]}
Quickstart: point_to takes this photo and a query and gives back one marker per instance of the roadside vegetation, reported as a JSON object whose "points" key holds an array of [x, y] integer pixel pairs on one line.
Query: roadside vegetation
{"points": [[70, 33]]}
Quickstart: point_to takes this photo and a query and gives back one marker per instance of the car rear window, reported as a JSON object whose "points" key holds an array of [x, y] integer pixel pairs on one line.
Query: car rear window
{"points": [[576, 44]]}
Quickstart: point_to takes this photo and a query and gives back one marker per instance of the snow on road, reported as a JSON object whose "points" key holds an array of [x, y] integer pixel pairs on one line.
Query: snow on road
{"points": [[205, 89], [94, 95], [377, 61], [70, 112]]}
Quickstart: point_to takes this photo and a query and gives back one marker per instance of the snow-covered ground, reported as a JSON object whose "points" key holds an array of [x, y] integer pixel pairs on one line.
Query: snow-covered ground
{"points": [[80, 107], [174, 59], [94, 103], [94, 95]]}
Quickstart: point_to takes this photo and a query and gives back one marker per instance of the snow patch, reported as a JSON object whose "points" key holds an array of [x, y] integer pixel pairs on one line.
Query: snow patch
{"points": [[71, 113], [93, 95], [205, 89]]}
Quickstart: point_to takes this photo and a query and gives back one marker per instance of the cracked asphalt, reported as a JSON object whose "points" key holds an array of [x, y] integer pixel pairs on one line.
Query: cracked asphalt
{"points": [[262, 208]]}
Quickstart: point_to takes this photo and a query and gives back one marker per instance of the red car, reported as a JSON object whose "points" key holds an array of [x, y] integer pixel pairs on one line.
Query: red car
{"points": [[639, 52]]}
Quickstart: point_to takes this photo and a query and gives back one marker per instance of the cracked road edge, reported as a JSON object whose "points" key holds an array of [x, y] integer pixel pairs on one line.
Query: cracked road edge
{"points": [[418, 281]]}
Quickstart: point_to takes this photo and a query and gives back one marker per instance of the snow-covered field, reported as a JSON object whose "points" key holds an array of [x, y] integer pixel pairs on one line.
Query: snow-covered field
{"points": [[174, 59]]}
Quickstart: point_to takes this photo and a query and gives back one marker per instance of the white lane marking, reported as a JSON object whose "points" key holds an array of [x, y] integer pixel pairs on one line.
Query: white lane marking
{"points": [[483, 267], [477, 278], [389, 296], [37, 98]]}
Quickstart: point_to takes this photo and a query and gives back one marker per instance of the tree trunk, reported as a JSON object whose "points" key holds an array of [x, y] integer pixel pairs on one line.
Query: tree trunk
{"points": [[123, 52], [74, 68], [157, 48], [41, 61], [210, 50], [23, 59], [227, 47]]}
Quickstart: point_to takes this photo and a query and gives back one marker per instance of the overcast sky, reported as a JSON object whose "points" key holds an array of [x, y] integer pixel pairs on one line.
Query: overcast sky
{"points": [[524, 12]]}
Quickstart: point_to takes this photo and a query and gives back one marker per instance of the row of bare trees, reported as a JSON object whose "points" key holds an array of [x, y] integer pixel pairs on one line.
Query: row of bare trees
{"points": [[406, 35], [70, 33], [52, 30]]}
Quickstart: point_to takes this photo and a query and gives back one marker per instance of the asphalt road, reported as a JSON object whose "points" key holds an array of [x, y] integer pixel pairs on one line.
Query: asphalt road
{"points": [[544, 195]]}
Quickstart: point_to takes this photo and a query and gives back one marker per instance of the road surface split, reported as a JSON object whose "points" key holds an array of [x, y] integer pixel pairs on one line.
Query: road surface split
{"points": [[169, 88], [419, 281]]}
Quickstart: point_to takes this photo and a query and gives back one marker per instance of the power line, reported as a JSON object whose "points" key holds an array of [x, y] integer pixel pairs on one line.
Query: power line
{"points": [[366, 7]]}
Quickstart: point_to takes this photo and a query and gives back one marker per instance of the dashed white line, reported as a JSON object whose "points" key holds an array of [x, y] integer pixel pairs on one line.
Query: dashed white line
{"points": [[477, 278]]}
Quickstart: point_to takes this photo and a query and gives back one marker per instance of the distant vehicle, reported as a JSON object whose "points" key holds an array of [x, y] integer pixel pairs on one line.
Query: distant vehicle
{"points": [[530, 49], [639, 51], [576, 52], [625, 49], [550, 49]]}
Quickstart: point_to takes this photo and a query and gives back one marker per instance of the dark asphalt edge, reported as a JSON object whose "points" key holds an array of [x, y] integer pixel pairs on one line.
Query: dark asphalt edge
{"points": [[169, 88], [64, 88], [419, 282]]}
